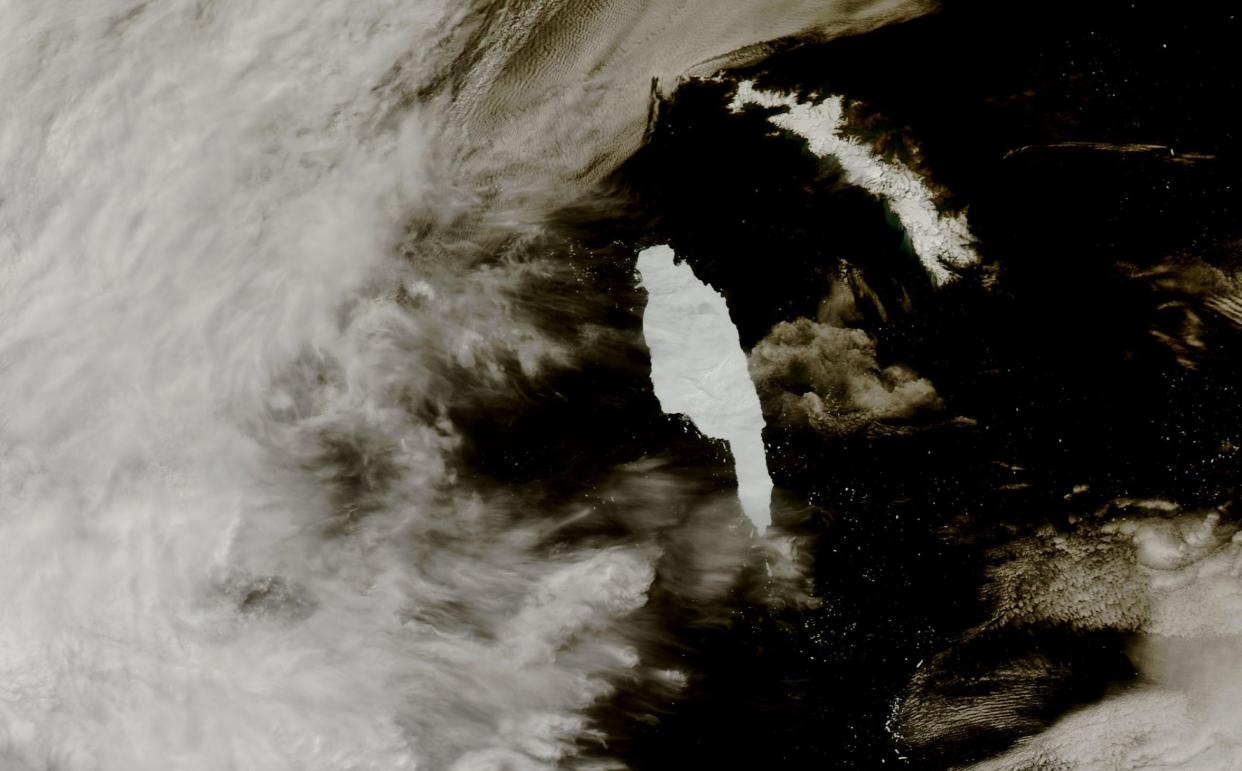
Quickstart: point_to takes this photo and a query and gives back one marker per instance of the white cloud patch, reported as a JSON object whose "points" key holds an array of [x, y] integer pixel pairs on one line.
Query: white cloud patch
{"points": [[1170, 577], [828, 377]]}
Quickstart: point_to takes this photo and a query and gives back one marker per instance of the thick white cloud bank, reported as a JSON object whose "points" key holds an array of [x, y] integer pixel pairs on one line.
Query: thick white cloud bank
{"points": [[1171, 579], [937, 239], [699, 370], [201, 206]]}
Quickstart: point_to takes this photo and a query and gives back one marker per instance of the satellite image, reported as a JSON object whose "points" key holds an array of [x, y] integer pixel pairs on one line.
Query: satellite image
{"points": [[522, 385]]}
